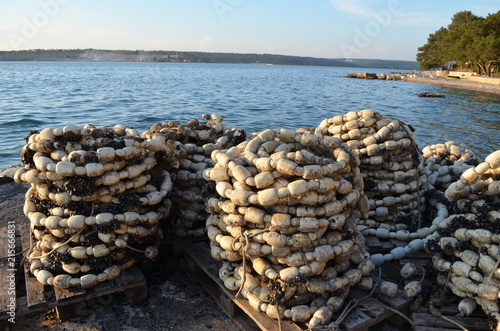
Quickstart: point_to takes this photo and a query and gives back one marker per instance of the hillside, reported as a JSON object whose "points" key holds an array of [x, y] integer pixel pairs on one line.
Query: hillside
{"points": [[201, 57]]}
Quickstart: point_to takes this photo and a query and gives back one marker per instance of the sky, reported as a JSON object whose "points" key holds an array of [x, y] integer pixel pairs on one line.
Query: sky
{"points": [[373, 29]]}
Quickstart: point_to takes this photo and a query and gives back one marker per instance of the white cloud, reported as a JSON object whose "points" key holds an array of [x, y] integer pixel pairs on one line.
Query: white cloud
{"points": [[356, 7], [421, 19]]}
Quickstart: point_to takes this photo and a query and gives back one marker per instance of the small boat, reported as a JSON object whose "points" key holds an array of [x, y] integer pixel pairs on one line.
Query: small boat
{"points": [[453, 77]]}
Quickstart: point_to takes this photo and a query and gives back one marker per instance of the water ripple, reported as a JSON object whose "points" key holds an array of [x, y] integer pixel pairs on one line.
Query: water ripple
{"points": [[35, 95], [22, 122]]}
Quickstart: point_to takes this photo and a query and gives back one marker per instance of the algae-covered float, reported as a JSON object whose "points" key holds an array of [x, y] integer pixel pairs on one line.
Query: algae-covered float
{"points": [[287, 211], [96, 198]]}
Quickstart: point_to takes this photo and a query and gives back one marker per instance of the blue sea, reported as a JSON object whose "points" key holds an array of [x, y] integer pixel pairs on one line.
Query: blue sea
{"points": [[254, 97]]}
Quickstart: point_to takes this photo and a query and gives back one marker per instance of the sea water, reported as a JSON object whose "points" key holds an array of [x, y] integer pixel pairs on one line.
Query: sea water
{"points": [[254, 97]]}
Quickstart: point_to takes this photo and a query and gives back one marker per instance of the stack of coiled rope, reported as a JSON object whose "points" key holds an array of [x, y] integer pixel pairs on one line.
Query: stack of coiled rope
{"points": [[391, 166], [466, 247], [284, 223], [95, 201], [446, 162], [196, 139]]}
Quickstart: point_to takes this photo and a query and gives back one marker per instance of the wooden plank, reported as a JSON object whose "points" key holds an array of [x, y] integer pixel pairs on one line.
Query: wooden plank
{"points": [[136, 294], [451, 309], [214, 290], [104, 288], [430, 328], [398, 243], [69, 294], [103, 291], [262, 320], [81, 304], [72, 303], [372, 242], [5, 297], [357, 321], [419, 255], [419, 262], [8, 275], [35, 291], [132, 277], [371, 311], [370, 306], [68, 302], [239, 318], [376, 245], [387, 245], [391, 271], [70, 311], [400, 302], [200, 255], [4, 272], [7, 267], [133, 284], [128, 279], [22, 305], [471, 323]]}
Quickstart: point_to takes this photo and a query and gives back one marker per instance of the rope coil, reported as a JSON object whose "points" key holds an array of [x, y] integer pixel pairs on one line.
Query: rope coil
{"points": [[95, 202], [279, 238]]}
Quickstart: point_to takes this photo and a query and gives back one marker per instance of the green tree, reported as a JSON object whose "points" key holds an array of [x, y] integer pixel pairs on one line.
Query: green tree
{"points": [[478, 42], [491, 50], [433, 54], [468, 39], [464, 30], [461, 18]]}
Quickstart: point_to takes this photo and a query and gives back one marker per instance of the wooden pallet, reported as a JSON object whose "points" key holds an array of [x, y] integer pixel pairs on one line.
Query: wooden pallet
{"points": [[376, 245], [371, 312], [424, 321], [31, 296], [206, 270]]}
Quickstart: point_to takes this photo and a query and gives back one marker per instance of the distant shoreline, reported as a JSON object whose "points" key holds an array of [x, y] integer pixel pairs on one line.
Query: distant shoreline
{"points": [[100, 55]]}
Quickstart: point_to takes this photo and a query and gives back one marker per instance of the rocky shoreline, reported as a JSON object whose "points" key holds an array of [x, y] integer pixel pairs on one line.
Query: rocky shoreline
{"points": [[431, 79]]}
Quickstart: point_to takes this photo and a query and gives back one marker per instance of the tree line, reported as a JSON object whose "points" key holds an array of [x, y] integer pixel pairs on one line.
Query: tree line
{"points": [[203, 57], [470, 41]]}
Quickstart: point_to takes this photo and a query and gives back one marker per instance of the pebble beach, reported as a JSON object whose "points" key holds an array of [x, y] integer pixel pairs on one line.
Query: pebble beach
{"points": [[462, 83]]}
